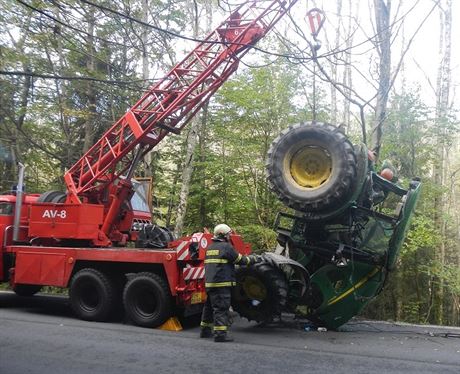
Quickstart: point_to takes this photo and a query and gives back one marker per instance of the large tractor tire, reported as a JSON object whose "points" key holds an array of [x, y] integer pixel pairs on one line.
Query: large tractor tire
{"points": [[312, 168], [260, 293], [93, 295], [26, 289], [147, 300]]}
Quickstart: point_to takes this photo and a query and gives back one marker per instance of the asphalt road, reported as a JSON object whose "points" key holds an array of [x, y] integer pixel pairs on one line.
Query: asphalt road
{"points": [[39, 335]]}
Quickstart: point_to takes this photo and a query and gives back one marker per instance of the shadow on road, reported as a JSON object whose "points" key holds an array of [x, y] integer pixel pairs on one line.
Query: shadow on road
{"points": [[39, 304], [59, 306]]}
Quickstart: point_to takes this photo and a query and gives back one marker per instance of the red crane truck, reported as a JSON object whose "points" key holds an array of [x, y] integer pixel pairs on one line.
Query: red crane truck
{"points": [[84, 239]]}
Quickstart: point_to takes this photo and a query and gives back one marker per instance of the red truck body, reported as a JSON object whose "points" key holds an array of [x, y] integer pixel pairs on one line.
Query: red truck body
{"points": [[180, 263]]}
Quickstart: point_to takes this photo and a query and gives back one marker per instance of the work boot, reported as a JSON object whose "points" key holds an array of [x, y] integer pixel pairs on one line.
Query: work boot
{"points": [[206, 333], [222, 338]]}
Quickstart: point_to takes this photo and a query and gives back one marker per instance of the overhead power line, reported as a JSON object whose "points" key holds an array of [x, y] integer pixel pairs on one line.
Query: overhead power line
{"points": [[71, 78]]}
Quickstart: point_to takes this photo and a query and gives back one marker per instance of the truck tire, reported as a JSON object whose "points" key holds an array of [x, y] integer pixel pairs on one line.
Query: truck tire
{"points": [[52, 197], [26, 289], [147, 300], [312, 168], [92, 295], [154, 236], [260, 293]]}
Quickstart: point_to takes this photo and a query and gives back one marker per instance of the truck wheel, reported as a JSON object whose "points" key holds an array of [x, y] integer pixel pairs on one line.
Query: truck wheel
{"points": [[26, 289], [154, 236], [260, 293], [147, 300], [312, 167], [52, 197], [92, 295]]}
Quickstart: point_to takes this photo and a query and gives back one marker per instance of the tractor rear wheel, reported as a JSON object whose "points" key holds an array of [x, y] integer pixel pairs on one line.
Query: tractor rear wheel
{"points": [[93, 295], [147, 300], [260, 293], [312, 167]]}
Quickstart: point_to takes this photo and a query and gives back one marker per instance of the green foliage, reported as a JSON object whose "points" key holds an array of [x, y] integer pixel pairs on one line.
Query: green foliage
{"points": [[451, 276], [448, 274], [262, 239], [408, 136], [421, 235], [411, 311]]}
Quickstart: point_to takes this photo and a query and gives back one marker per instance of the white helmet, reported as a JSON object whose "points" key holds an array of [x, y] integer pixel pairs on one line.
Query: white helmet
{"points": [[222, 230]]}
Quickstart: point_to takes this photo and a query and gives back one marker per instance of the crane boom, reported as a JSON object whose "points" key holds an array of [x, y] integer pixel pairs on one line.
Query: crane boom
{"points": [[170, 104]]}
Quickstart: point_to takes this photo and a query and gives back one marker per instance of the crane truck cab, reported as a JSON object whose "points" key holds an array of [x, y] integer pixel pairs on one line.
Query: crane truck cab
{"points": [[7, 213]]}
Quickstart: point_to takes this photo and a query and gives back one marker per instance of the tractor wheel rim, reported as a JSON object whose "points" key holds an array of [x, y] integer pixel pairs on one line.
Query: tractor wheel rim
{"points": [[311, 167], [254, 288]]}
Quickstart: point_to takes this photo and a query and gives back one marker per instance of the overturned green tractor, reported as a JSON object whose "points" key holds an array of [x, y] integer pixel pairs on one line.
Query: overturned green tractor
{"points": [[335, 252]]}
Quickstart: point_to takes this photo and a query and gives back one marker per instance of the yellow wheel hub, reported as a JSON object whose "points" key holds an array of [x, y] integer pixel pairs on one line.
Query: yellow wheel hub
{"points": [[254, 288], [311, 167]]}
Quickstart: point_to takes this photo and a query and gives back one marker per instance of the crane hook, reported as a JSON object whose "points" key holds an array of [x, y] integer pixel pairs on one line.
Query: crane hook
{"points": [[316, 18]]}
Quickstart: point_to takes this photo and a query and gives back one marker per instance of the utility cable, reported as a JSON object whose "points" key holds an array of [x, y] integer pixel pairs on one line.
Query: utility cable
{"points": [[71, 78]]}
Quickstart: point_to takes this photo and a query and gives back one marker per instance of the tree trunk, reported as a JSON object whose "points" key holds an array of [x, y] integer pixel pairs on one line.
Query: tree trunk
{"points": [[442, 109], [347, 76], [14, 114], [382, 20], [186, 176], [192, 139], [334, 67], [90, 89], [146, 74], [202, 158], [62, 97]]}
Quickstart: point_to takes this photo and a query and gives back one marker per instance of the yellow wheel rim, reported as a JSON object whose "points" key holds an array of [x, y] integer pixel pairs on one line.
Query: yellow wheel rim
{"points": [[254, 288], [311, 167]]}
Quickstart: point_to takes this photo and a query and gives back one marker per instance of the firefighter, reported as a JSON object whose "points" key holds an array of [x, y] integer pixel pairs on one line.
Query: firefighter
{"points": [[220, 262]]}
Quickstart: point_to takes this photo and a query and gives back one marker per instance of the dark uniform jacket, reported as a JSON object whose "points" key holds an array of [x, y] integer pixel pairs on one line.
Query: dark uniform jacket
{"points": [[220, 262]]}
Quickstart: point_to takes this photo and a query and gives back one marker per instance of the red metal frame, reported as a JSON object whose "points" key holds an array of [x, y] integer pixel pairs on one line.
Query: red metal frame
{"points": [[53, 266]]}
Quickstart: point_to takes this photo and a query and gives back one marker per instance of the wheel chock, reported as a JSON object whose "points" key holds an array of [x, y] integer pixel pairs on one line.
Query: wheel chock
{"points": [[172, 324]]}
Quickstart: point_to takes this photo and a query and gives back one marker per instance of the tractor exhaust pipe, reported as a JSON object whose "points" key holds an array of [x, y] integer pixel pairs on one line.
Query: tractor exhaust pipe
{"points": [[18, 206]]}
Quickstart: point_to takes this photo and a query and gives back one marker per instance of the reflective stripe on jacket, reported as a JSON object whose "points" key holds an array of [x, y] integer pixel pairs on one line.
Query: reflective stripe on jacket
{"points": [[220, 262]]}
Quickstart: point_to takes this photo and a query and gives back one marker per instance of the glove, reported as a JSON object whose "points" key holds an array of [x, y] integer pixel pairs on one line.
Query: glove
{"points": [[254, 259], [268, 260]]}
